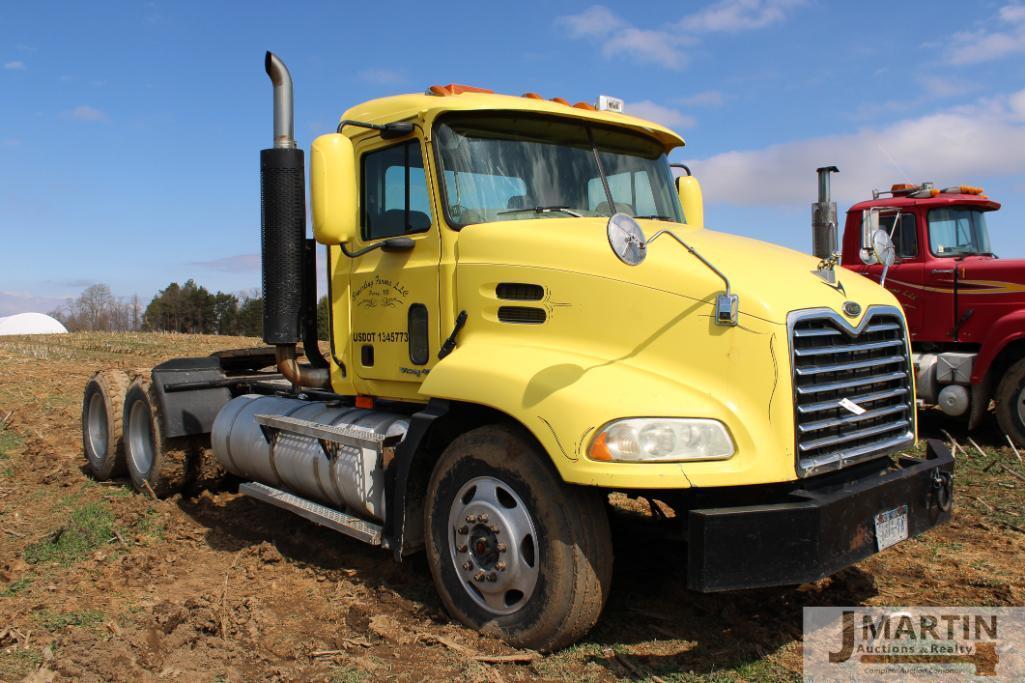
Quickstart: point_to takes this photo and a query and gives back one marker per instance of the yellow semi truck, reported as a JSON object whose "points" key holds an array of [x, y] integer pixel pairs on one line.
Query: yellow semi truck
{"points": [[526, 315]]}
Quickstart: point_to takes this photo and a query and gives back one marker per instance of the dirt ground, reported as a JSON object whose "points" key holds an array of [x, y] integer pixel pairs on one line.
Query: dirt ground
{"points": [[100, 583]]}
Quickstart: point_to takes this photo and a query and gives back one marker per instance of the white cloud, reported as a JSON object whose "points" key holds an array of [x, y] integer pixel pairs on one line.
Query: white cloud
{"points": [[985, 44], [15, 65], [949, 147], [382, 76], [84, 112], [595, 21], [13, 302], [663, 47], [707, 98], [241, 263], [671, 118], [738, 15]]}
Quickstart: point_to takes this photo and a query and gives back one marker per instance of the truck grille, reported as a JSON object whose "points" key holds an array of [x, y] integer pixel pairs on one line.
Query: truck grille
{"points": [[868, 366]]}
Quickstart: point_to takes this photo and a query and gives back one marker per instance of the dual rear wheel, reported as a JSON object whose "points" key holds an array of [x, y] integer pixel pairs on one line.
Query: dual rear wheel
{"points": [[121, 434]]}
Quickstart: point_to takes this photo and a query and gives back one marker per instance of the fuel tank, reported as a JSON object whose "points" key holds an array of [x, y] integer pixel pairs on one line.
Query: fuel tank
{"points": [[353, 479]]}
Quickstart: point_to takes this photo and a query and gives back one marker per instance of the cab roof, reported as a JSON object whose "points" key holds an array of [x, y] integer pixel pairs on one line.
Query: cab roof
{"points": [[428, 107], [944, 199]]}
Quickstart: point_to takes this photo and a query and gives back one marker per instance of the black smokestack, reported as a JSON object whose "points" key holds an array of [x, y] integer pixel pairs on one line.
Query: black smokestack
{"points": [[283, 217]]}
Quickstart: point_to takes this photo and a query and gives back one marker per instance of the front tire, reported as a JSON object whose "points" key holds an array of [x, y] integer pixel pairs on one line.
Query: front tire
{"points": [[155, 465], [1010, 400], [534, 564]]}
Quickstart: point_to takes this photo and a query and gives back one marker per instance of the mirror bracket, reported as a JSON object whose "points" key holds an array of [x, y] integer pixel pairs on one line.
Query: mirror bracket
{"points": [[392, 245], [727, 304]]}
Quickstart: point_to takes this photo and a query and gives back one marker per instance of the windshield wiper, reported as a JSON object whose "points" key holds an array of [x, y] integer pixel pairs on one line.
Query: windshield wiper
{"points": [[543, 209], [656, 217]]}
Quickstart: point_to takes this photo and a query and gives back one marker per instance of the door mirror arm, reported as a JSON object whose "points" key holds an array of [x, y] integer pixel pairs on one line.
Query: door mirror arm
{"points": [[391, 245]]}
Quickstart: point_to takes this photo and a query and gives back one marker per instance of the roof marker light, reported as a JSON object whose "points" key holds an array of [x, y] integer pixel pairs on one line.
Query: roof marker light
{"points": [[532, 96], [455, 89]]}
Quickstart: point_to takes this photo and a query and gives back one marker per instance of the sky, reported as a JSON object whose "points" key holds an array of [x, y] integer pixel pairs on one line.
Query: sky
{"points": [[130, 131]]}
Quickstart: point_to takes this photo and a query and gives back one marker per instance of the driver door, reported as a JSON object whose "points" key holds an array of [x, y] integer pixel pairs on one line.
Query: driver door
{"points": [[906, 277], [394, 294]]}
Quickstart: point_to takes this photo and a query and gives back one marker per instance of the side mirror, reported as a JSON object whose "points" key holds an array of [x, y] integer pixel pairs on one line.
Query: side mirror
{"points": [[333, 189], [869, 225], [689, 189]]}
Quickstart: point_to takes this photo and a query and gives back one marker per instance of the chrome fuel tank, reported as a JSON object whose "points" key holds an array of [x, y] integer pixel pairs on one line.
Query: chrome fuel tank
{"points": [[352, 480]]}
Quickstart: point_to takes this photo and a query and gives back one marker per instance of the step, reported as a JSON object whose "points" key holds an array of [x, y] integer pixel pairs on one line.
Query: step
{"points": [[350, 436], [360, 529]]}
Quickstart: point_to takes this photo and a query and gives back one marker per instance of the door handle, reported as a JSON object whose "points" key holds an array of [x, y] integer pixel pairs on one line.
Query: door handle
{"points": [[942, 271]]}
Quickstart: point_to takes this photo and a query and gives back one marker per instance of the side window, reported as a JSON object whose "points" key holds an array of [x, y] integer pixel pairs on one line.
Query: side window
{"points": [[394, 198], [905, 237]]}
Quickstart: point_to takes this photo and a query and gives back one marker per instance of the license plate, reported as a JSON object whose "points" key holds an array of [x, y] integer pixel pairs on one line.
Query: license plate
{"points": [[891, 527]]}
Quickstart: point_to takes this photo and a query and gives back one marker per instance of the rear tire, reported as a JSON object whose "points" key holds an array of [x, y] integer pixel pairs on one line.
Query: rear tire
{"points": [[1010, 400], [536, 569], [154, 463], [102, 407]]}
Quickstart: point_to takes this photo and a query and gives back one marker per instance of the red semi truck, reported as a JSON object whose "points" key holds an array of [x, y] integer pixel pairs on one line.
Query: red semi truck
{"points": [[965, 306]]}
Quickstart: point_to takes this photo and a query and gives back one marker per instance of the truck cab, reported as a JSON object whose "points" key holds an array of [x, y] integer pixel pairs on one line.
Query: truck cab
{"points": [[965, 306]]}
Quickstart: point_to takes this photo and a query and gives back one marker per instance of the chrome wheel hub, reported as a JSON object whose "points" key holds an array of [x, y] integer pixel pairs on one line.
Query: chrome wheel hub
{"points": [[96, 428], [1021, 405], [493, 545], [140, 439]]}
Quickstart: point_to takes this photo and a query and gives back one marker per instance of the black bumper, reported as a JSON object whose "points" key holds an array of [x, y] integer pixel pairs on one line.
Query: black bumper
{"points": [[815, 532]]}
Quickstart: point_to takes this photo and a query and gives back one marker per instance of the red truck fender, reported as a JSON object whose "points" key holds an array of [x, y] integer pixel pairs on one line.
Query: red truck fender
{"points": [[1004, 331]]}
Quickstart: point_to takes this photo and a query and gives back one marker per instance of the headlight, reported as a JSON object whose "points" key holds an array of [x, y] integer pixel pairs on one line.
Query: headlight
{"points": [[662, 440]]}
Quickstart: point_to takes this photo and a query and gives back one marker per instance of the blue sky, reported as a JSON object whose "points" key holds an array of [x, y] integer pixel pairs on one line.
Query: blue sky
{"points": [[129, 132]]}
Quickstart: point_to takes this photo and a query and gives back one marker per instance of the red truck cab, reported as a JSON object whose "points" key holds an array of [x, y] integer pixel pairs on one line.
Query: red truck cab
{"points": [[965, 307]]}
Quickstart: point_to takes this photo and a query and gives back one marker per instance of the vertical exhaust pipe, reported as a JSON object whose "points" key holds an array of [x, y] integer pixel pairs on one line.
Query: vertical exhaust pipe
{"points": [[283, 235], [823, 217]]}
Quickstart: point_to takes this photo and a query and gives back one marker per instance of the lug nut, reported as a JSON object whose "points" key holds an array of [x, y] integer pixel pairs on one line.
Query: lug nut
{"points": [[482, 517], [479, 576], [500, 566], [492, 577], [500, 547], [467, 565], [470, 518], [493, 528], [463, 530], [462, 548]]}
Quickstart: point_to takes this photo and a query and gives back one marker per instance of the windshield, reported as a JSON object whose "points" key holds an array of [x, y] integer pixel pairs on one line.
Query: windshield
{"points": [[516, 167], [958, 231]]}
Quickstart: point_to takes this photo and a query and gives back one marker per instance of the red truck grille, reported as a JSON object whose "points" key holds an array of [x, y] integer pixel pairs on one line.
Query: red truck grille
{"points": [[867, 369]]}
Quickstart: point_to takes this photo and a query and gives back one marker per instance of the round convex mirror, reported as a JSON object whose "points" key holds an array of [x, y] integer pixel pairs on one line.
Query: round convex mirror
{"points": [[627, 239], [882, 245]]}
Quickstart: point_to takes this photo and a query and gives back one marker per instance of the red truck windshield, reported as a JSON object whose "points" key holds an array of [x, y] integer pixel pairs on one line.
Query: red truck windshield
{"points": [[958, 231]]}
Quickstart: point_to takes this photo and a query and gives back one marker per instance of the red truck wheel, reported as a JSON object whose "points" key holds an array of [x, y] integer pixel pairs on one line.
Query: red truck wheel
{"points": [[1010, 400]]}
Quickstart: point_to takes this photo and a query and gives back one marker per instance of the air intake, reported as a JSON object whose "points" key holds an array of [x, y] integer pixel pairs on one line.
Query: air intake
{"points": [[519, 291], [522, 314]]}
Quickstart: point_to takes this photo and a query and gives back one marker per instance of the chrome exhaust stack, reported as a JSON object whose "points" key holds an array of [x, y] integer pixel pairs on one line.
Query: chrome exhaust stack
{"points": [[286, 259], [823, 218]]}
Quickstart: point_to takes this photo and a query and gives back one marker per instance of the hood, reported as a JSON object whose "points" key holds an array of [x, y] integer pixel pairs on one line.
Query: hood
{"points": [[989, 275], [770, 280]]}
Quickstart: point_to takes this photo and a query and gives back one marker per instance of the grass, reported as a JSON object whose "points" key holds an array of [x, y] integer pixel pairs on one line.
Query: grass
{"points": [[89, 526], [9, 441], [54, 621], [349, 674], [15, 587], [19, 662]]}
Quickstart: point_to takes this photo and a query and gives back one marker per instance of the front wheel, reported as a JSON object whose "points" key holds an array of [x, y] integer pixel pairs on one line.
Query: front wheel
{"points": [[1010, 400], [513, 551]]}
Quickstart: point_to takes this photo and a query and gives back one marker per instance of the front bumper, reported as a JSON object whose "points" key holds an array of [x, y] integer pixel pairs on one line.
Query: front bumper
{"points": [[814, 532]]}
